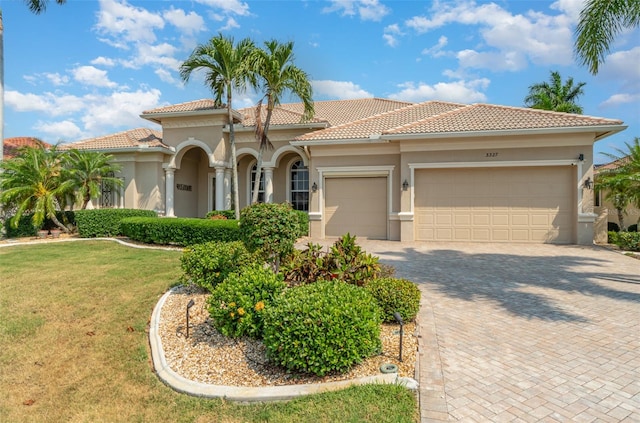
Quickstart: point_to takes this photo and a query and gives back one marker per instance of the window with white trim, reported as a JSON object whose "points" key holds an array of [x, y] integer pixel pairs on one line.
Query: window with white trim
{"points": [[299, 187], [253, 181]]}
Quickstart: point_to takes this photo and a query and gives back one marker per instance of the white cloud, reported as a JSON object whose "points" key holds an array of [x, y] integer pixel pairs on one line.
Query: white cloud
{"points": [[122, 108], [103, 61], [90, 75], [458, 91], [57, 79], [64, 130], [190, 23], [623, 66], [436, 51], [536, 37], [391, 33], [340, 90], [228, 6], [124, 23], [231, 24], [620, 99], [52, 104], [367, 10]]}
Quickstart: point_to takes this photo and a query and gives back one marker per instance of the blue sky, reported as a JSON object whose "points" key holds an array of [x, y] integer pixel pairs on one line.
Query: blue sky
{"points": [[89, 68]]}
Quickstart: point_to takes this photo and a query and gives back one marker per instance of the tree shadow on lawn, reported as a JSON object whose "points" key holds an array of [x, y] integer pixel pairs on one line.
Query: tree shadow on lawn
{"points": [[514, 282]]}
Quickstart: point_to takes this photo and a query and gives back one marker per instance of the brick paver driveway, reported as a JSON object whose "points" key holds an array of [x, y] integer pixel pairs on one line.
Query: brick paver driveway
{"points": [[524, 333]]}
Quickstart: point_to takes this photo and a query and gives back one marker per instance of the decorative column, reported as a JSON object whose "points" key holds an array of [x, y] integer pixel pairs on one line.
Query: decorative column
{"points": [[268, 185], [220, 188], [169, 186]]}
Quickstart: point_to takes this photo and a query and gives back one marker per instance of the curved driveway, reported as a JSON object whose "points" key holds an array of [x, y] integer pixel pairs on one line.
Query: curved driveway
{"points": [[524, 332]]}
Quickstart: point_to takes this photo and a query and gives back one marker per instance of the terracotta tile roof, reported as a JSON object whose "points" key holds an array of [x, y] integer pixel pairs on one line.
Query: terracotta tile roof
{"points": [[133, 138], [280, 116], [489, 117], [190, 106], [11, 146], [379, 123], [611, 165], [338, 112]]}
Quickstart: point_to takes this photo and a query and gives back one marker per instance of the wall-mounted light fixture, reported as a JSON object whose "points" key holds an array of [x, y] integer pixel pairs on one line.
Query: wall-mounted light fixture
{"points": [[314, 187], [588, 183], [581, 157], [405, 185]]}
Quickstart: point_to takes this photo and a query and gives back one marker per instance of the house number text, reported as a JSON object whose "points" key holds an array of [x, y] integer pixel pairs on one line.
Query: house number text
{"points": [[491, 155], [183, 187]]}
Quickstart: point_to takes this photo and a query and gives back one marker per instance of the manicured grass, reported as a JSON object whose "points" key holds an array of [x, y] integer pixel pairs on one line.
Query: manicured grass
{"points": [[73, 346]]}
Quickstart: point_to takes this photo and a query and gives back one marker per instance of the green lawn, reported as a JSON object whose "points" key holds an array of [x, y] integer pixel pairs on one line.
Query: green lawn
{"points": [[73, 346]]}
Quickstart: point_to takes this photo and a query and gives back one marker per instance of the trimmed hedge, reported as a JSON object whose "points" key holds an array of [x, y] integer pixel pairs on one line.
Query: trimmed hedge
{"points": [[208, 264], [25, 226], [628, 241], [106, 222], [270, 229], [238, 304], [395, 295], [322, 328], [179, 231]]}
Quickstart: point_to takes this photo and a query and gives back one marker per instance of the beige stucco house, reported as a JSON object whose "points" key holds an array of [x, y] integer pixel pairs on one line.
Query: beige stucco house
{"points": [[377, 168]]}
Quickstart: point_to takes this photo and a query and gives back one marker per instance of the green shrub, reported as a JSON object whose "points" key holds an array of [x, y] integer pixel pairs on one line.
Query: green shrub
{"points": [[25, 226], [393, 295], [238, 304], [179, 231], [229, 214], [270, 229], [628, 241], [105, 222], [345, 261], [303, 223], [208, 264], [324, 327]]}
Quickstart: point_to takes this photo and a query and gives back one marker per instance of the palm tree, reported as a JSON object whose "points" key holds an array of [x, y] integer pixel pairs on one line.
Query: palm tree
{"points": [[622, 183], [553, 95], [600, 22], [34, 181], [89, 170], [227, 68], [276, 75]]}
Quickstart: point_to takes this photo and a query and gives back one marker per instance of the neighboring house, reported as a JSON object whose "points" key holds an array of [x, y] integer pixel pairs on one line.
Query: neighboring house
{"points": [[11, 146], [382, 169], [607, 213]]}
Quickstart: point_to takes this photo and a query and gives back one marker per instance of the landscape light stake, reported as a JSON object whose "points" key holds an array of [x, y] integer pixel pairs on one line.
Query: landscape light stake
{"points": [[399, 320], [189, 305]]}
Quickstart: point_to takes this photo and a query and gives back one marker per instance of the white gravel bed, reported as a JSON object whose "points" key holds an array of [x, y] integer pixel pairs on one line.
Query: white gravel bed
{"points": [[209, 357]]}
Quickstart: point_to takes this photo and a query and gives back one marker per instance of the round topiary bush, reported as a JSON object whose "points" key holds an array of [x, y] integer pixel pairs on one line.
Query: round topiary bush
{"points": [[393, 295], [269, 229], [238, 304], [208, 264], [322, 328]]}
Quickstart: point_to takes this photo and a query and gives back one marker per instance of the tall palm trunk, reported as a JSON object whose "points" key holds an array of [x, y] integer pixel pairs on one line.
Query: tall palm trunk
{"points": [[264, 143], [234, 159]]}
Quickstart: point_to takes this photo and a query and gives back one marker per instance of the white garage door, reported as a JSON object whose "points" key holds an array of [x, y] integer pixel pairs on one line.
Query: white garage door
{"points": [[524, 204], [356, 205]]}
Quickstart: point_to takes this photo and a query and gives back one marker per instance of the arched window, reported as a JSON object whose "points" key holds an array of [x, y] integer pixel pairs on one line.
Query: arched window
{"points": [[253, 181], [299, 186]]}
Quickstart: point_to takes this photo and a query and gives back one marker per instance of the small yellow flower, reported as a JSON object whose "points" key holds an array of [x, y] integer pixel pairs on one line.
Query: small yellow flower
{"points": [[232, 304], [232, 314], [259, 306], [240, 311]]}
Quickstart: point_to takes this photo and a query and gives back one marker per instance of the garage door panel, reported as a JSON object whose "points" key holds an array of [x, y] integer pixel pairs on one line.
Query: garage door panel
{"points": [[526, 204], [356, 205]]}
